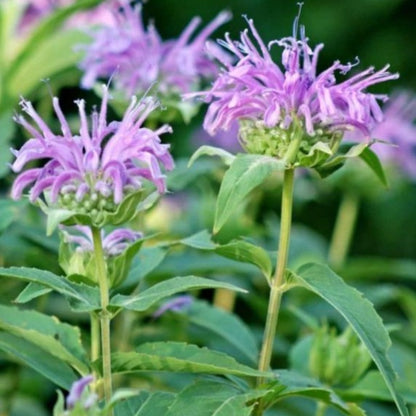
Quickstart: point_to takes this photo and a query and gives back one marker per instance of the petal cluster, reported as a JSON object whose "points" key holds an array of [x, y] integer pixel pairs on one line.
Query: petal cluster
{"points": [[137, 57], [101, 164], [279, 95]]}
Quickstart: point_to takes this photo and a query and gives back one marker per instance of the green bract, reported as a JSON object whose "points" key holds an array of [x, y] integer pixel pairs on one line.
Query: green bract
{"points": [[100, 211]]}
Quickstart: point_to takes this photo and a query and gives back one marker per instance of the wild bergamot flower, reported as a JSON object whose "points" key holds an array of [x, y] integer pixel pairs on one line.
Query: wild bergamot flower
{"points": [[290, 111], [91, 172], [138, 58]]}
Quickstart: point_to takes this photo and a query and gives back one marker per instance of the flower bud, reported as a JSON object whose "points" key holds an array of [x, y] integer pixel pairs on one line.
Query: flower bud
{"points": [[337, 359]]}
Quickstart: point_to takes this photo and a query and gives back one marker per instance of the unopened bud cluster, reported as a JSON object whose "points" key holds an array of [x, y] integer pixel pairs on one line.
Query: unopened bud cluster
{"points": [[92, 203], [338, 359], [257, 138]]}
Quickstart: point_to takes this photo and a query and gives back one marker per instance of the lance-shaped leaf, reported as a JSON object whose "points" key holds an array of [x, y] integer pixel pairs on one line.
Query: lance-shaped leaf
{"points": [[61, 340], [85, 297], [162, 290], [291, 383], [227, 326], [145, 261], [372, 386], [225, 156], [145, 404], [373, 162], [246, 172], [359, 313], [179, 357], [37, 358], [211, 399], [238, 250]]}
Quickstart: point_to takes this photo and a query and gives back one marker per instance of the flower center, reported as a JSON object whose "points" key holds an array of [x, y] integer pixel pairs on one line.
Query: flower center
{"points": [[92, 203], [255, 137]]}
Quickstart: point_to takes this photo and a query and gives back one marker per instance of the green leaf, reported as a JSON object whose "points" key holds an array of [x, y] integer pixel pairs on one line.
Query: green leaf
{"points": [[145, 404], [355, 410], [7, 127], [40, 360], [61, 340], [225, 156], [238, 250], [373, 162], [32, 291], [211, 399], [162, 290], [246, 172], [120, 265], [180, 357], [372, 386], [291, 383], [359, 313], [345, 152], [86, 297], [46, 29], [45, 60], [227, 326], [146, 260], [10, 211]]}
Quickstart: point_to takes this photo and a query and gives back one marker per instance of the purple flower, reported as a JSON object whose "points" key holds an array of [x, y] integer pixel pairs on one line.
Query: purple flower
{"points": [[114, 243], [176, 304], [398, 129], [94, 170], [77, 392], [278, 101], [138, 57]]}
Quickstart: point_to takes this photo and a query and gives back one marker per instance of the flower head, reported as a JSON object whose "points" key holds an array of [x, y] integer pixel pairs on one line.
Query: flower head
{"points": [[92, 171], [138, 57], [277, 104]]}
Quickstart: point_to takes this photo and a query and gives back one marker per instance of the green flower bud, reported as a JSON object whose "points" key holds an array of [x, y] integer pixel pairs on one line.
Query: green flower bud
{"points": [[337, 359]]}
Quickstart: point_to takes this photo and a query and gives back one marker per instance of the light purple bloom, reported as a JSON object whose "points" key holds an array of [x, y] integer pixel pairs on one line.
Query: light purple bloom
{"points": [[77, 392], [258, 89], [176, 304], [97, 167], [138, 57], [398, 128], [114, 243]]}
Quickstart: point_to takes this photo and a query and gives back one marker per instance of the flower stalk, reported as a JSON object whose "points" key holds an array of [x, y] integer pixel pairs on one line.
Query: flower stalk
{"points": [[95, 340], [343, 230], [278, 279], [104, 314]]}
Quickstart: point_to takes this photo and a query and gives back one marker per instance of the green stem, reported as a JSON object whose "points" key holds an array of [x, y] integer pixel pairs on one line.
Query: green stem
{"points": [[343, 230], [95, 339], [224, 299], [321, 409], [278, 280], [101, 270]]}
